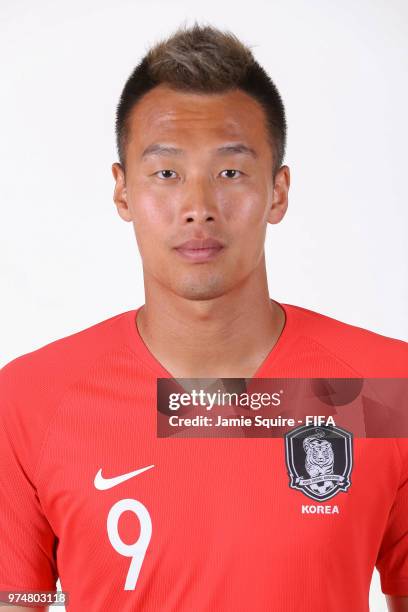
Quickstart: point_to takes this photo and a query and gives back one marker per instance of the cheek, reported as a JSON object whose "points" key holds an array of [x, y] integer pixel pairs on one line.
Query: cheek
{"points": [[246, 216], [152, 218], [150, 209], [245, 205]]}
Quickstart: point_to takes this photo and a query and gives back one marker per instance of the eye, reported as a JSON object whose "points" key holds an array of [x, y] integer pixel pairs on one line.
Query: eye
{"points": [[231, 173], [166, 174]]}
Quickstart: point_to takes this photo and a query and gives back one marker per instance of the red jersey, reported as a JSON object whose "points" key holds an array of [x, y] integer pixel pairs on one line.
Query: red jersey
{"points": [[130, 521]]}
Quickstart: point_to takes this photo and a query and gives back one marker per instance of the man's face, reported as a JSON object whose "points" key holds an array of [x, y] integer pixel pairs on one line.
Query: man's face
{"points": [[199, 166]]}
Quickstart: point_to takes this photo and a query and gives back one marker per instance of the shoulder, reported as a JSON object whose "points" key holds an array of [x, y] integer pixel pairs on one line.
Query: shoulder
{"points": [[40, 376], [367, 352], [33, 384]]}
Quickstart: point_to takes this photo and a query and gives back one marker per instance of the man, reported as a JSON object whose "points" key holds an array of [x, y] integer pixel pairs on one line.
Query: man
{"points": [[132, 521]]}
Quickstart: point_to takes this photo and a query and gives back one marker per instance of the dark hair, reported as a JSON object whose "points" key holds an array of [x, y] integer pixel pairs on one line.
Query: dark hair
{"points": [[205, 60]]}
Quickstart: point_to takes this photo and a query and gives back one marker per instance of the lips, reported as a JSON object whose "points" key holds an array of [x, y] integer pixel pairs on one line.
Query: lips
{"points": [[200, 249]]}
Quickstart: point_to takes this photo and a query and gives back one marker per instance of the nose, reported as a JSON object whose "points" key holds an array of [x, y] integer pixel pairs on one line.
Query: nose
{"points": [[198, 203]]}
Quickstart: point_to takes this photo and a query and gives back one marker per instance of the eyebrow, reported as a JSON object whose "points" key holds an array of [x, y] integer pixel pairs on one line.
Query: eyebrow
{"points": [[239, 148], [161, 149]]}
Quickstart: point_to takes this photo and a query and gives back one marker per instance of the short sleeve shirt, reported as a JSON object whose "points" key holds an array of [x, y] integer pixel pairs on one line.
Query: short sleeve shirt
{"points": [[128, 521]]}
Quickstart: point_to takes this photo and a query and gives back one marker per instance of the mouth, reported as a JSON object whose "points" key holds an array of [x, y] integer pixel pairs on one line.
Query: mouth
{"points": [[206, 254], [200, 250]]}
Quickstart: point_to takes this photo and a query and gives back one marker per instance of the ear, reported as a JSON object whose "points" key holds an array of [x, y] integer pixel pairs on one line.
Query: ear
{"points": [[280, 195], [119, 194]]}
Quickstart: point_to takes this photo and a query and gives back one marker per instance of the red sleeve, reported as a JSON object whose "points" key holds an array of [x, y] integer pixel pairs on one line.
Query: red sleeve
{"points": [[27, 542], [392, 560]]}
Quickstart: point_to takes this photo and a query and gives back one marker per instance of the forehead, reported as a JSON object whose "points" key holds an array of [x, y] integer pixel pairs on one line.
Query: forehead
{"points": [[186, 117]]}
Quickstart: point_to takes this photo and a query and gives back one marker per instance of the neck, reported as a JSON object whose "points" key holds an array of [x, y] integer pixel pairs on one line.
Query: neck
{"points": [[225, 337]]}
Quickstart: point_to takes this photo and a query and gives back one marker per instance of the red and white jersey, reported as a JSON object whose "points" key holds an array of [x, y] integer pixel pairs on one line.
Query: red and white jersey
{"points": [[129, 521]]}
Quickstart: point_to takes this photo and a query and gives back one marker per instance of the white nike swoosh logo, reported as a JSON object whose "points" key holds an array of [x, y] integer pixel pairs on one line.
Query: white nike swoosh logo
{"points": [[102, 483]]}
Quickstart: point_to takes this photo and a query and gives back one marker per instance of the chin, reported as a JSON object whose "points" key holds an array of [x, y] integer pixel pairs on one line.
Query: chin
{"points": [[208, 289]]}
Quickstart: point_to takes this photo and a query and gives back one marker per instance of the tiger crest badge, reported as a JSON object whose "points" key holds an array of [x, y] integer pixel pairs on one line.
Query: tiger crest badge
{"points": [[319, 460]]}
